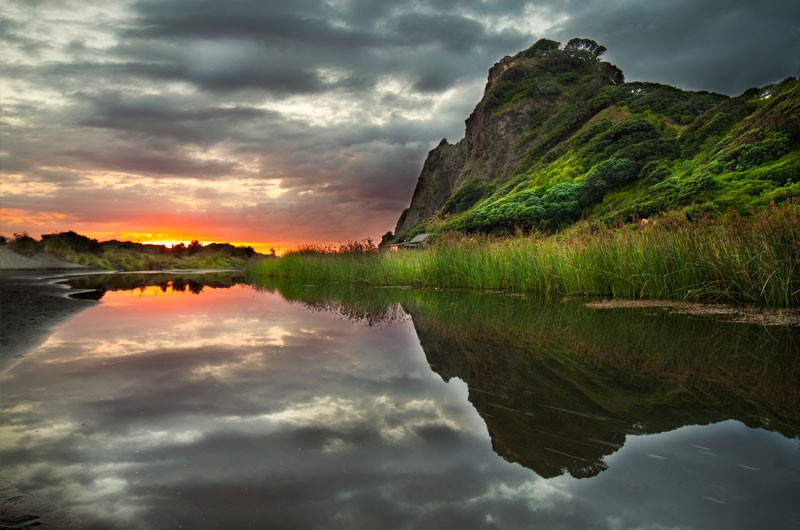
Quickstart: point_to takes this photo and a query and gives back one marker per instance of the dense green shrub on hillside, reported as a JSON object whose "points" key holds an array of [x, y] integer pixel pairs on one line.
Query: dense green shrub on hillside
{"points": [[545, 70], [620, 136], [559, 126], [606, 176], [767, 145], [540, 48], [525, 209], [466, 196], [713, 125], [679, 106], [520, 209], [562, 205]]}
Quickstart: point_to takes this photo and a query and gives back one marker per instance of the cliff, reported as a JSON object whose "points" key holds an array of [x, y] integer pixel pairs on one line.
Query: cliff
{"points": [[558, 136]]}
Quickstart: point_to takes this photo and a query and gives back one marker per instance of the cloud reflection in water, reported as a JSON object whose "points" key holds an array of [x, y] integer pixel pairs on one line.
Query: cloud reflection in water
{"points": [[238, 409]]}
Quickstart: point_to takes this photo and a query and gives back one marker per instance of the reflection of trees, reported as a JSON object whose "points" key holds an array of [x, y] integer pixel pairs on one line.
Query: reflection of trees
{"points": [[194, 283], [560, 385], [357, 304], [182, 285]]}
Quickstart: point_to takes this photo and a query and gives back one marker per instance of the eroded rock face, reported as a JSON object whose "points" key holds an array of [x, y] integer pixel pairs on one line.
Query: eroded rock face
{"points": [[436, 183], [520, 95]]}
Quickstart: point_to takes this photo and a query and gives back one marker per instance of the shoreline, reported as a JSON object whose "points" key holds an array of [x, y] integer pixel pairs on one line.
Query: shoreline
{"points": [[12, 261], [33, 303]]}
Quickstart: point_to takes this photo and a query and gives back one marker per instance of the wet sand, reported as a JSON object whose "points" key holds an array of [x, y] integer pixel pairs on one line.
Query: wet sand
{"points": [[32, 305]]}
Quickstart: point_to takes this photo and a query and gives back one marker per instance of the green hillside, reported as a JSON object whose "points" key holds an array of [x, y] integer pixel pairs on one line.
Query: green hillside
{"points": [[559, 136]]}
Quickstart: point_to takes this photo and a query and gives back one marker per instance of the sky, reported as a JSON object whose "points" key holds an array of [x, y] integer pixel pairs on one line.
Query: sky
{"points": [[277, 123]]}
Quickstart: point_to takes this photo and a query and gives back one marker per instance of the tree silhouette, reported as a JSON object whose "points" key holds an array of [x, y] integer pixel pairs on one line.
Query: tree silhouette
{"points": [[578, 45], [194, 247]]}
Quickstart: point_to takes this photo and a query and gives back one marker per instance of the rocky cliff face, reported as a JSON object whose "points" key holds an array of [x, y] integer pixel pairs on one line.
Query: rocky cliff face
{"points": [[558, 136], [435, 185], [520, 95]]}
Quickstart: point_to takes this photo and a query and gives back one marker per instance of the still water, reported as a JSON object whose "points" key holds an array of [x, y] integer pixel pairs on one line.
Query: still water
{"points": [[183, 405]]}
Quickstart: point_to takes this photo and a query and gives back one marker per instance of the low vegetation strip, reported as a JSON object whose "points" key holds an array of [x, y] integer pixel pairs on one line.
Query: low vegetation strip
{"points": [[740, 259], [69, 249]]}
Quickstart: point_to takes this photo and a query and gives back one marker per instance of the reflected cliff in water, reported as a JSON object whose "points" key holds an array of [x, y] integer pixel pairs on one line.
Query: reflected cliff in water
{"points": [[561, 386]]}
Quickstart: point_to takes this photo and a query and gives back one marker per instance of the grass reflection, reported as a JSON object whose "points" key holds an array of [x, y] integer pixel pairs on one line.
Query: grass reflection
{"points": [[560, 384]]}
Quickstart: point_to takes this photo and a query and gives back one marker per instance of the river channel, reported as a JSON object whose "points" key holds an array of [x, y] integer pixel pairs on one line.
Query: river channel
{"points": [[206, 403]]}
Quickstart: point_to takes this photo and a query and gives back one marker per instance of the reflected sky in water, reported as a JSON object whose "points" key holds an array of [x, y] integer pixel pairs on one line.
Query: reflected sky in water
{"points": [[237, 409]]}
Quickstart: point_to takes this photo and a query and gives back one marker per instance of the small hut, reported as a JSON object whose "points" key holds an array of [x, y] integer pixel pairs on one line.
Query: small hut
{"points": [[418, 241]]}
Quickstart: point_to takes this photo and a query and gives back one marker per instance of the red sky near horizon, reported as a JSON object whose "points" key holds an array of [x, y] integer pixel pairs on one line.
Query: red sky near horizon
{"points": [[168, 232]]}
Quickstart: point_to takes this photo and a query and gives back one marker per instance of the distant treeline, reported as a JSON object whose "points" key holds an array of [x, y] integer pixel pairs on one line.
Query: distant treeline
{"points": [[129, 256]]}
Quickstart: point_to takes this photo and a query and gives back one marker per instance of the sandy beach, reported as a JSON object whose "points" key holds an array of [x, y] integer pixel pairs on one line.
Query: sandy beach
{"points": [[10, 260]]}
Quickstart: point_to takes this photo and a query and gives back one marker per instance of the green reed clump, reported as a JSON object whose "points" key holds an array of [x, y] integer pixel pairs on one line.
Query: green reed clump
{"points": [[346, 262], [752, 259]]}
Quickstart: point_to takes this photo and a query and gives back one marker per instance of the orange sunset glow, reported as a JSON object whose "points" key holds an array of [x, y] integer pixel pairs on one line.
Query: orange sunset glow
{"points": [[171, 241], [17, 221], [169, 298]]}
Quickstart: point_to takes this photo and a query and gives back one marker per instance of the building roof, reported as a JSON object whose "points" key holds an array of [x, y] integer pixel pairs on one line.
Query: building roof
{"points": [[419, 238]]}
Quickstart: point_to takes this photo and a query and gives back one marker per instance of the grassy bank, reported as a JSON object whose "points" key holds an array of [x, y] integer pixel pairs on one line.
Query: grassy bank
{"points": [[749, 259], [129, 256]]}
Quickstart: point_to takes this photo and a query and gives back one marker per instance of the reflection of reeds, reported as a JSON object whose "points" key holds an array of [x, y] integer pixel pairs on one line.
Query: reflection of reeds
{"points": [[624, 360], [370, 307], [754, 259]]}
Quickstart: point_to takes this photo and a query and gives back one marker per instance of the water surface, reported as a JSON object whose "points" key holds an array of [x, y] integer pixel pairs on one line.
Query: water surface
{"points": [[294, 406]]}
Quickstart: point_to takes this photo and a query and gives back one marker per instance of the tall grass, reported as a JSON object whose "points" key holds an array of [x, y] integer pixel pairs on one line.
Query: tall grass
{"points": [[750, 259]]}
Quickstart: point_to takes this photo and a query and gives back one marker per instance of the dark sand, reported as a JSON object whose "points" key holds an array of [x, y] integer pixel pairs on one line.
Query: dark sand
{"points": [[32, 304]]}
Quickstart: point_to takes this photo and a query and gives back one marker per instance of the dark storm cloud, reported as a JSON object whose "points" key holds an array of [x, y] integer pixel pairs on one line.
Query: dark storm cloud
{"points": [[152, 163], [454, 33], [14, 36], [268, 22], [723, 46], [153, 117], [280, 49]]}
